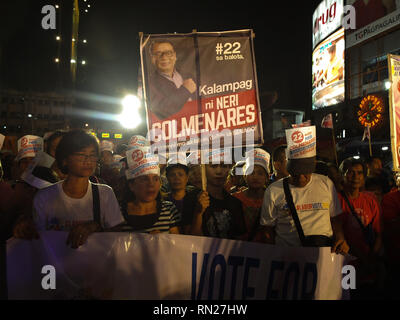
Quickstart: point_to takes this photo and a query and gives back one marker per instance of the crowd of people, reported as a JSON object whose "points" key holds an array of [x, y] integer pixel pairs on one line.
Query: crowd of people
{"points": [[69, 181]]}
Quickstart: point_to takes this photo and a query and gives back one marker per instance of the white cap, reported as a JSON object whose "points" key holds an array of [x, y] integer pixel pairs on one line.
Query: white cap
{"points": [[106, 145], [219, 156], [138, 141], [117, 164], [140, 163], [29, 146], [194, 158], [301, 143], [257, 157], [178, 158], [33, 178]]}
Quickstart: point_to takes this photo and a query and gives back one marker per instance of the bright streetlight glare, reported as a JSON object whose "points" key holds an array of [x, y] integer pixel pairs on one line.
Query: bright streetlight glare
{"points": [[58, 38], [388, 85], [131, 102], [83, 62], [130, 118]]}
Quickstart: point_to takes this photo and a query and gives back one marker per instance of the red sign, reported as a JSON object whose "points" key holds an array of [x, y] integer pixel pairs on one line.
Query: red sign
{"points": [[137, 155], [297, 137]]}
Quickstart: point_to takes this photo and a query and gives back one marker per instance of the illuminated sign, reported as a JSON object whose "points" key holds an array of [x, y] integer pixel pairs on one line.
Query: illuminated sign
{"points": [[327, 19], [370, 111], [105, 135], [117, 136], [328, 71]]}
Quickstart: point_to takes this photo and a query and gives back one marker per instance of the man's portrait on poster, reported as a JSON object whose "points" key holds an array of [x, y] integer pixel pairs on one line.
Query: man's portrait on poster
{"points": [[170, 86]]}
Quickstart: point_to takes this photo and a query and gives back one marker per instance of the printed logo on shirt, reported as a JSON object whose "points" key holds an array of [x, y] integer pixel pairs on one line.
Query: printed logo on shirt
{"points": [[55, 224], [313, 206]]}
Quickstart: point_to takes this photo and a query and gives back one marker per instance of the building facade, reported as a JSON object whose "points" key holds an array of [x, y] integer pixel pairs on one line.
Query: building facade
{"points": [[366, 78]]}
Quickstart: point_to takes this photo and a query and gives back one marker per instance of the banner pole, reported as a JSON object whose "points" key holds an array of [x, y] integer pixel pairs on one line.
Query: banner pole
{"points": [[203, 177]]}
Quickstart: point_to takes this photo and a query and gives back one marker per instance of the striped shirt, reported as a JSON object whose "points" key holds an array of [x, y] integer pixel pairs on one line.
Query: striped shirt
{"points": [[166, 218]]}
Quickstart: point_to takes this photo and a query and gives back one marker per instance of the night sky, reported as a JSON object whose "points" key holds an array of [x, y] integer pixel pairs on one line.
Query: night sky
{"points": [[282, 44]]}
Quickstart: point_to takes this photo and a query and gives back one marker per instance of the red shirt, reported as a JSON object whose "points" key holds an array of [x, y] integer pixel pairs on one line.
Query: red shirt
{"points": [[368, 209], [251, 209], [391, 221]]}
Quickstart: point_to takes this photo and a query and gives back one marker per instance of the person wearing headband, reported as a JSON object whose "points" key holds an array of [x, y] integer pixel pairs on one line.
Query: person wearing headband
{"points": [[184, 196], [143, 208], [310, 197], [256, 176], [221, 215]]}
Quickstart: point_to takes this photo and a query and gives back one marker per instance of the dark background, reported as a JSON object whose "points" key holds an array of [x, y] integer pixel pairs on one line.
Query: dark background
{"points": [[283, 46]]}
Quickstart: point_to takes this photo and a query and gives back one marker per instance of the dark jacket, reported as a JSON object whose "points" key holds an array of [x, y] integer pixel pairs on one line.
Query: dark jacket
{"points": [[165, 98]]}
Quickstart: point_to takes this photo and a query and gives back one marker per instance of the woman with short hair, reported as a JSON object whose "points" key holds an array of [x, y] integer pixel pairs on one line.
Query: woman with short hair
{"points": [[76, 204]]}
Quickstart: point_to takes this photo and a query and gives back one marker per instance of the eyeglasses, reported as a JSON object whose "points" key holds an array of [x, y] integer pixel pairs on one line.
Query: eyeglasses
{"points": [[83, 157], [159, 54]]}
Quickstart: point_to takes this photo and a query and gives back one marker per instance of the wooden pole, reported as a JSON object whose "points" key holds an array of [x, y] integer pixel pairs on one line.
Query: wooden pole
{"points": [[203, 177]]}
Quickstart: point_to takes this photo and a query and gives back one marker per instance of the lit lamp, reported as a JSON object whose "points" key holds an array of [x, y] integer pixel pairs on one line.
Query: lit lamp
{"points": [[130, 118]]}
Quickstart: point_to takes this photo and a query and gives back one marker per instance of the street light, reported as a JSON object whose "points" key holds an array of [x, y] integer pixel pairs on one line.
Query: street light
{"points": [[130, 118], [388, 85]]}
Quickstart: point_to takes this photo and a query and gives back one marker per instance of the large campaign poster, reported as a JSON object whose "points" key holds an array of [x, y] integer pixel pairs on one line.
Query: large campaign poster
{"points": [[198, 83], [117, 266], [328, 71], [394, 97], [372, 18]]}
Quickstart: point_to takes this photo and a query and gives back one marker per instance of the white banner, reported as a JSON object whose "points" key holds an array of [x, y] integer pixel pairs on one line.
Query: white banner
{"points": [[172, 267]]}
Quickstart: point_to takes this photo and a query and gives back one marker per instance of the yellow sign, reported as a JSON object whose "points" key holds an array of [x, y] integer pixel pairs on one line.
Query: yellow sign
{"points": [[105, 135], [117, 136], [370, 111]]}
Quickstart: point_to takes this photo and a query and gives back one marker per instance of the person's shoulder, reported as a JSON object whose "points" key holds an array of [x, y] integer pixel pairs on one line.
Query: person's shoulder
{"points": [[319, 178], [241, 194], [232, 199], [368, 197], [275, 186], [392, 196], [104, 188], [54, 188], [48, 193], [167, 205]]}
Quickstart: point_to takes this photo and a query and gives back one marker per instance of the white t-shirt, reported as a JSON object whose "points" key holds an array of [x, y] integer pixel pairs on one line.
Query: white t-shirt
{"points": [[316, 203], [54, 210]]}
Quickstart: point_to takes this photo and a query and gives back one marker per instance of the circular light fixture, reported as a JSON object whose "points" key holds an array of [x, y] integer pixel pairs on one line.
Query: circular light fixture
{"points": [[370, 111]]}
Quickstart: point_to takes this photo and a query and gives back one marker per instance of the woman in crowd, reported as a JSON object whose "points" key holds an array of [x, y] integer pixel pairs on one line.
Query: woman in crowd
{"points": [[256, 175], [142, 207], [76, 204]]}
